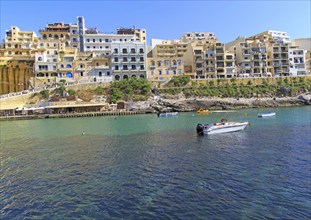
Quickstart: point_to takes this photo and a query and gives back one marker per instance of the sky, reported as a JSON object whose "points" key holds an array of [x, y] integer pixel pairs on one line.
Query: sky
{"points": [[164, 19]]}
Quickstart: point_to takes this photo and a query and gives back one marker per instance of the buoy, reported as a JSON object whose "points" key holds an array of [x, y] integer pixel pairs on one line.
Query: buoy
{"points": [[83, 133]]}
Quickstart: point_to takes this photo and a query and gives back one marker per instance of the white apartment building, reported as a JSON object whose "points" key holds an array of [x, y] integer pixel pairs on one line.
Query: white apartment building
{"points": [[100, 43], [297, 60], [128, 59]]}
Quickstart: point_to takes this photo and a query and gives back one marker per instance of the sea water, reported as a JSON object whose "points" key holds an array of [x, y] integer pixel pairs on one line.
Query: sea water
{"points": [[145, 167]]}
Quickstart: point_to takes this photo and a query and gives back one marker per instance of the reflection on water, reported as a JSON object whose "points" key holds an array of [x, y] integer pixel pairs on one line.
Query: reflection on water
{"points": [[144, 167]]}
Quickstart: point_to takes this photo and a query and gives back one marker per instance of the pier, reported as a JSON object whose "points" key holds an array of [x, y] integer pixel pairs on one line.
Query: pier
{"points": [[75, 115]]}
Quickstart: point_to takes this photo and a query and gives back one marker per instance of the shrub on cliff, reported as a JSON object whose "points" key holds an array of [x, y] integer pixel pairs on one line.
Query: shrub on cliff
{"points": [[180, 81], [127, 89]]}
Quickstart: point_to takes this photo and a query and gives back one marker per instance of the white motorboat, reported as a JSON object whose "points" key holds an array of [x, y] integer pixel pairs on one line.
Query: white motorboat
{"points": [[223, 127], [167, 114], [267, 114]]}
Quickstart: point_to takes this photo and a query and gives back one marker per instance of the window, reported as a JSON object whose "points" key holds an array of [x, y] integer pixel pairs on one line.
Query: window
{"points": [[133, 59], [133, 67], [93, 40], [160, 72], [100, 73], [141, 59], [142, 67], [174, 72], [81, 73], [167, 62], [100, 40], [125, 67], [159, 63], [107, 47], [124, 59], [107, 40], [141, 50], [39, 58], [133, 50], [115, 50], [87, 40], [116, 59], [124, 50], [179, 62], [116, 67], [88, 47], [167, 72], [179, 71]]}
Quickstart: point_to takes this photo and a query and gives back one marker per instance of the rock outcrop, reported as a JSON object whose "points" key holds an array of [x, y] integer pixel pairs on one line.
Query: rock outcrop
{"points": [[182, 104]]}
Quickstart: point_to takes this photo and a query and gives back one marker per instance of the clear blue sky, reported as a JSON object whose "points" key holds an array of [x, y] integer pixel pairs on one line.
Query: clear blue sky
{"points": [[164, 19]]}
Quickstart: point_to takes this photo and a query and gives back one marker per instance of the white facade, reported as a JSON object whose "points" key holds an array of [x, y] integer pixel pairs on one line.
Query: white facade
{"points": [[297, 60], [128, 59], [101, 43], [280, 36]]}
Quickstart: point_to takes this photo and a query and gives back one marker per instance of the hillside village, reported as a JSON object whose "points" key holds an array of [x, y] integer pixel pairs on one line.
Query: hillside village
{"points": [[72, 60]]}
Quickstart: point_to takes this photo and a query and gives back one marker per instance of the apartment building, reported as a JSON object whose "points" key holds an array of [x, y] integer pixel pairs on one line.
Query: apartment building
{"points": [[210, 60], [140, 34], [128, 59], [305, 43], [278, 59], [276, 43], [297, 61], [280, 37], [20, 44], [165, 60], [56, 31], [100, 43], [190, 37], [100, 69]]}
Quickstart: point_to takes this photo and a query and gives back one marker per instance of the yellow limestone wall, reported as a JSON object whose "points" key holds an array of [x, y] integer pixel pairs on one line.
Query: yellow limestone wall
{"points": [[14, 76]]}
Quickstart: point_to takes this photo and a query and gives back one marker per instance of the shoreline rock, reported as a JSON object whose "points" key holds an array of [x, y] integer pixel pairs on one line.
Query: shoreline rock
{"points": [[182, 104]]}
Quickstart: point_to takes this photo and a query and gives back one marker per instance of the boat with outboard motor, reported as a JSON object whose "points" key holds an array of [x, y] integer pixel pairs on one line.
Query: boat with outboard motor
{"points": [[223, 127], [267, 114], [167, 114]]}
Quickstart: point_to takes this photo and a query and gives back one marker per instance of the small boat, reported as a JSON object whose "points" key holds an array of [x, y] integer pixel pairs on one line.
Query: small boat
{"points": [[167, 114], [222, 127], [202, 111], [267, 114]]}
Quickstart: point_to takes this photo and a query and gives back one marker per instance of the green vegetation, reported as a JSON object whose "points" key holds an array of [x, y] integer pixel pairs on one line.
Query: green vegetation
{"points": [[45, 94], [178, 81], [71, 92], [250, 88], [135, 89], [60, 90]]}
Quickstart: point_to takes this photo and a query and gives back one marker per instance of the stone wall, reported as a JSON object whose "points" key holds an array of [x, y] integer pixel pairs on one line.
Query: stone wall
{"points": [[14, 76]]}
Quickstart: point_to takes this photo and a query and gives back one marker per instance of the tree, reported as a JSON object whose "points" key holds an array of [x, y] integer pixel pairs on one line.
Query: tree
{"points": [[45, 94], [60, 90], [71, 92], [115, 95]]}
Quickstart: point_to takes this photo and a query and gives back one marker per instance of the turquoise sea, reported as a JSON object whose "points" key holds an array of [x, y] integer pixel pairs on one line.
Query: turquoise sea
{"points": [[145, 167]]}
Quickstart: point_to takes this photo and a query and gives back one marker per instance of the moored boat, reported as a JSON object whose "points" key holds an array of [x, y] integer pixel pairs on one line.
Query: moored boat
{"points": [[222, 127], [167, 114], [203, 111], [267, 114]]}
